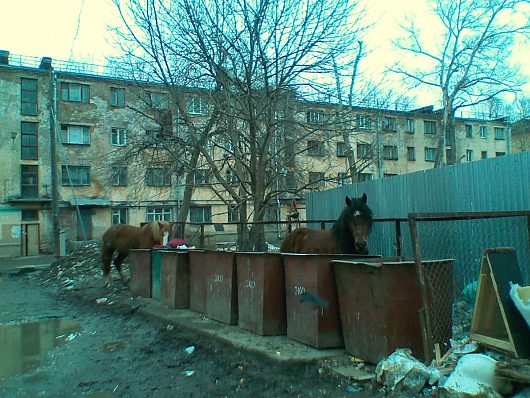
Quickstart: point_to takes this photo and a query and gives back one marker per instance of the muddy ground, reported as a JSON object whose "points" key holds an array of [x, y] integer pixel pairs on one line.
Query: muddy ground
{"points": [[115, 352]]}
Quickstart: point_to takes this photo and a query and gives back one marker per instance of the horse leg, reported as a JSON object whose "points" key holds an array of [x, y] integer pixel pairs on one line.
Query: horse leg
{"points": [[106, 257], [122, 255]]}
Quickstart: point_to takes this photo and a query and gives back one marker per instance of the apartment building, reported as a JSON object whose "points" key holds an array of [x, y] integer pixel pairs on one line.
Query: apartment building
{"points": [[72, 123]]}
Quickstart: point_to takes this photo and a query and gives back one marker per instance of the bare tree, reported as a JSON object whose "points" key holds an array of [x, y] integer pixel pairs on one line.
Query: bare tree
{"points": [[470, 64], [254, 61]]}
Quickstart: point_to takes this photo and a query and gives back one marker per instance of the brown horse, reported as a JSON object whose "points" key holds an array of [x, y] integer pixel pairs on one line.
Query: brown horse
{"points": [[347, 236], [122, 237]]}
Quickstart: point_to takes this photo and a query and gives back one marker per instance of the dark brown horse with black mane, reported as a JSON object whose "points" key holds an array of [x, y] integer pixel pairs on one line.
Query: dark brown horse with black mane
{"points": [[347, 236], [122, 237]]}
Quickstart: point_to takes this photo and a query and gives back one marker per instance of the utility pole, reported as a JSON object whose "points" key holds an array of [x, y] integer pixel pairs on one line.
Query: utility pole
{"points": [[53, 164]]}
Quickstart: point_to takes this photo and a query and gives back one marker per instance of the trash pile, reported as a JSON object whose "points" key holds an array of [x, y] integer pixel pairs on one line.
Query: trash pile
{"points": [[82, 266]]}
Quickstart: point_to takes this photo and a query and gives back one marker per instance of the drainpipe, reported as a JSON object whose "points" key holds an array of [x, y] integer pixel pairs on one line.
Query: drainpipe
{"points": [[53, 164]]}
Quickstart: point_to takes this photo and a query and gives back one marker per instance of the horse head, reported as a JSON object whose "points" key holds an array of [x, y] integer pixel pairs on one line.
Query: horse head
{"points": [[357, 218], [161, 231]]}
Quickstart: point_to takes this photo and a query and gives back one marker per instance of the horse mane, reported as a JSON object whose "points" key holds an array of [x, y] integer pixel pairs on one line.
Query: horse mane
{"points": [[157, 232], [340, 229]]}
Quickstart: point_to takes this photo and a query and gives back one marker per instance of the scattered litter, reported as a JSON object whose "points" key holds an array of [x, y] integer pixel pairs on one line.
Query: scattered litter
{"points": [[474, 376], [115, 388], [470, 292], [278, 353], [402, 372], [354, 388], [188, 373], [103, 301], [190, 349], [170, 327], [242, 382], [71, 336]]}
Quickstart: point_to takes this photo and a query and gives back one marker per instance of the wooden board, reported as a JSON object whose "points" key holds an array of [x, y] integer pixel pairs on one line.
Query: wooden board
{"points": [[496, 321]]}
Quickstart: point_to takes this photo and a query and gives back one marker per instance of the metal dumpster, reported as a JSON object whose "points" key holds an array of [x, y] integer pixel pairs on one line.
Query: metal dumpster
{"points": [[221, 302], [140, 270], [175, 278], [199, 266], [261, 293], [156, 268], [309, 323], [380, 303]]}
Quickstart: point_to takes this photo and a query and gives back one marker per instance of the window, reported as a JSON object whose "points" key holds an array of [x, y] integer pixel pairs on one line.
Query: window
{"points": [[410, 126], [117, 97], [469, 155], [28, 97], [290, 181], [497, 154], [365, 177], [389, 123], [157, 177], [29, 143], [363, 121], [231, 177], [196, 105], [29, 215], [341, 149], [119, 176], [430, 127], [342, 178], [364, 151], [484, 154], [411, 153], [448, 155], [316, 179], [154, 138], [74, 92], [469, 131], [315, 148], [118, 136], [200, 214], [430, 154], [75, 135], [201, 177], [158, 214], [315, 116], [233, 214], [390, 152], [271, 213], [118, 216], [499, 133], [483, 132], [158, 100], [29, 181], [80, 175]]}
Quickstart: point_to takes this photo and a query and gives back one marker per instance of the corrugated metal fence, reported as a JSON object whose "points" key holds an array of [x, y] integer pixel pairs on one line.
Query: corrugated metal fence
{"points": [[497, 184]]}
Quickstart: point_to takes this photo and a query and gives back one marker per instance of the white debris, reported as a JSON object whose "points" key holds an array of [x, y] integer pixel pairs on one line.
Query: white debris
{"points": [[188, 373], [404, 373], [474, 376], [190, 349], [521, 298]]}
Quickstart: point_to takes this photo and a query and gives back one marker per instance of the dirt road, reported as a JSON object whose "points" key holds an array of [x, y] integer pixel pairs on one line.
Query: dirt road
{"points": [[103, 348]]}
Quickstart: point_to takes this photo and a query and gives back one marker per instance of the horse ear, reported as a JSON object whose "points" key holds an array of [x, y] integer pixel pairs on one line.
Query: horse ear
{"points": [[348, 201], [160, 224], [364, 198]]}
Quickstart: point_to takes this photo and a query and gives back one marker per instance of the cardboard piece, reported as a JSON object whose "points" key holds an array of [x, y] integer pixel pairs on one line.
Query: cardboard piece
{"points": [[496, 321]]}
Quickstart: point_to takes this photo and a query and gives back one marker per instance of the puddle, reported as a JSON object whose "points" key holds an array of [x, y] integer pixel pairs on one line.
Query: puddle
{"points": [[22, 344]]}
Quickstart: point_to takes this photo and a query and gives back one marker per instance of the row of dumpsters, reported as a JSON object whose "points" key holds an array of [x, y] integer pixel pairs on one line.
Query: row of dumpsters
{"points": [[369, 305]]}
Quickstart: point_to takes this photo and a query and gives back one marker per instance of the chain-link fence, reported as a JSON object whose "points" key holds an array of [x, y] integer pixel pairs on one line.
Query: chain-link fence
{"points": [[462, 237]]}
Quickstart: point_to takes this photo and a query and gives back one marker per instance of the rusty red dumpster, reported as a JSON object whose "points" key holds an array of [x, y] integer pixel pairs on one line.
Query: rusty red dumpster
{"points": [[140, 270], [199, 268], [380, 303], [261, 293], [221, 302], [311, 299], [175, 278]]}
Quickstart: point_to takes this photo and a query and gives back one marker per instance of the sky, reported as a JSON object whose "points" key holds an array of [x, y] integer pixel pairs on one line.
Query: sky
{"points": [[76, 30]]}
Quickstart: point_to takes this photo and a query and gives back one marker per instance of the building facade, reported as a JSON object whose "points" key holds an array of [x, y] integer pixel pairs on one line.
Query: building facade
{"points": [[55, 121]]}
